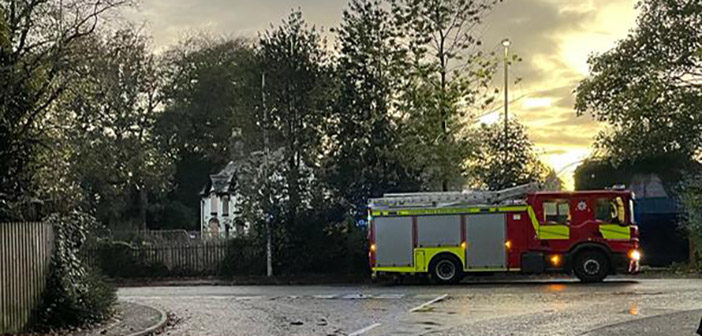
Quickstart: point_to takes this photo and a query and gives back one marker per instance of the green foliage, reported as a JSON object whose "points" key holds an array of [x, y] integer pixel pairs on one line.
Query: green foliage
{"points": [[648, 87], [117, 259], [244, 256], [365, 159], [37, 53], [447, 79], [690, 195], [209, 92], [297, 96], [113, 151], [75, 295], [502, 163]]}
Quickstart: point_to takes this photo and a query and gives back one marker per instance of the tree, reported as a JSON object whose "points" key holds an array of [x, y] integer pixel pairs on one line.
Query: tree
{"points": [[37, 43], [297, 96], [365, 160], [210, 94], [113, 110], [691, 199], [499, 164], [649, 87], [448, 78]]}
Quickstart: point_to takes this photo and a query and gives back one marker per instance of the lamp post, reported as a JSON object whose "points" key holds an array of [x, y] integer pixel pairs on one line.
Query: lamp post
{"points": [[506, 43]]}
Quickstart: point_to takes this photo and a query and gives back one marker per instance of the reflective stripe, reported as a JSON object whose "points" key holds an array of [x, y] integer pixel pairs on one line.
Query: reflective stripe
{"points": [[394, 269], [554, 232], [422, 258], [547, 232], [443, 211], [615, 231]]}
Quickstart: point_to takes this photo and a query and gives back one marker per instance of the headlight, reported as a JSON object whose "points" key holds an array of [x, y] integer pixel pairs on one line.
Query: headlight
{"points": [[635, 255]]}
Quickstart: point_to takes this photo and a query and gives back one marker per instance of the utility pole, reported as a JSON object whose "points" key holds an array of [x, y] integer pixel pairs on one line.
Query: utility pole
{"points": [[506, 43], [267, 197]]}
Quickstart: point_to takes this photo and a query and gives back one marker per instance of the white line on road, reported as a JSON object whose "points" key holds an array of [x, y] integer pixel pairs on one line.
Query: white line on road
{"points": [[364, 330], [430, 302]]}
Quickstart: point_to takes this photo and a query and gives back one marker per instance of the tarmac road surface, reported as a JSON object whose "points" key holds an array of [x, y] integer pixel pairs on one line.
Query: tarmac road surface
{"points": [[620, 306]]}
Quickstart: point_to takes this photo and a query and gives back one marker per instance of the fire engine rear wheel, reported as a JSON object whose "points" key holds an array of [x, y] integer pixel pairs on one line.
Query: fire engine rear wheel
{"points": [[446, 269], [591, 266]]}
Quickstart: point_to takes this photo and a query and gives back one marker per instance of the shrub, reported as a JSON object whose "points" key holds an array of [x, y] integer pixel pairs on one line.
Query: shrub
{"points": [[243, 256], [118, 259], [75, 294]]}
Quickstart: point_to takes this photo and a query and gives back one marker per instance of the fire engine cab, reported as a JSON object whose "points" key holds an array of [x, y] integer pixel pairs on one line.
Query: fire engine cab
{"points": [[450, 234]]}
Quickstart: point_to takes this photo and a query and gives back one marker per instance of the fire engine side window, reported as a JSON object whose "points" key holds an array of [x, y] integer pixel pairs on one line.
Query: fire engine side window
{"points": [[610, 210], [556, 211], [603, 210]]}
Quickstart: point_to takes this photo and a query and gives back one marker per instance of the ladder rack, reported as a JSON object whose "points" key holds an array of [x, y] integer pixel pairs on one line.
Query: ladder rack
{"points": [[446, 199]]}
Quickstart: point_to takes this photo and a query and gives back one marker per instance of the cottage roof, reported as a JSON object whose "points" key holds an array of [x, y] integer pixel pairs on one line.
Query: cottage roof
{"points": [[221, 182]]}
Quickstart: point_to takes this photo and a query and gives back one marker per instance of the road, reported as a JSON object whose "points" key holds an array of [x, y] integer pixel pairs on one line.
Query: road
{"points": [[621, 306]]}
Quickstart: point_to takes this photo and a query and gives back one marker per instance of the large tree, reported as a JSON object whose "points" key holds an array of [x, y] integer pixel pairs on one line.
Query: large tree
{"points": [[211, 90], [364, 156], [502, 164], [449, 77], [297, 101], [111, 113], [38, 41], [648, 88]]}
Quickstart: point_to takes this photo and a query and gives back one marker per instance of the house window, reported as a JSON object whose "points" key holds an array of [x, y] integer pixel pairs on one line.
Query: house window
{"points": [[610, 210], [556, 212], [225, 206], [213, 205]]}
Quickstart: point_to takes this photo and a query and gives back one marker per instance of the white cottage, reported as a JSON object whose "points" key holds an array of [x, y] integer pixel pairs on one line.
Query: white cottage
{"points": [[218, 215]]}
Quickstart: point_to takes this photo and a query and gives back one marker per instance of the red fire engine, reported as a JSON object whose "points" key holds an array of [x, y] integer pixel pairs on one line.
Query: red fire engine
{"points": [[448, 235]]}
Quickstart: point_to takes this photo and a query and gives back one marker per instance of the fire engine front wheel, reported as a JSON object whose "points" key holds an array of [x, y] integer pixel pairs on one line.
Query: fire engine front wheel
{"points": [[591, 266], [446, 269]]}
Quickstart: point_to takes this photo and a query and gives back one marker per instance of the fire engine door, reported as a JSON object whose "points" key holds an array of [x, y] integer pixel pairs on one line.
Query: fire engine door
{"points": [[485, 238]]}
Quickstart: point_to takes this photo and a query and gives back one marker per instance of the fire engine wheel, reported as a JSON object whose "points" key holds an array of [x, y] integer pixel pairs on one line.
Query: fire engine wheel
{"points": [[591, 266], [446, 269]]}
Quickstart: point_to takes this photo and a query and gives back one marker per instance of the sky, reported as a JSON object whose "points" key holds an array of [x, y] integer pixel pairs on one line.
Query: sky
{"points": [[553, 37]]}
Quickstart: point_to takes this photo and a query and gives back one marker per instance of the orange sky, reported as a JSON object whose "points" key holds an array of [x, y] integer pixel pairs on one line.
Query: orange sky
{"points": [[554, 38]]}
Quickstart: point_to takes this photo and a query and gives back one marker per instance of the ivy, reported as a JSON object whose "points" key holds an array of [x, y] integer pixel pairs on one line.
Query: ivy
{"points": [[75, 295]]}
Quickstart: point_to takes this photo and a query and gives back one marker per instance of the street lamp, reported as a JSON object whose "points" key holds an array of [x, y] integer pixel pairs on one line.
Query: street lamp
{"points": [[506, 43]]}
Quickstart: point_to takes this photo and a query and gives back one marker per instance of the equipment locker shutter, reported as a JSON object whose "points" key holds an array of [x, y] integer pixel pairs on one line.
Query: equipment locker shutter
{"points": [[393, 239], [439, 230], [485, 237]]}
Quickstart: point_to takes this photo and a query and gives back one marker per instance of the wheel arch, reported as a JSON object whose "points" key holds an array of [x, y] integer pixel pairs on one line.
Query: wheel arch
{"points": [[588, 246], [445, 254]]}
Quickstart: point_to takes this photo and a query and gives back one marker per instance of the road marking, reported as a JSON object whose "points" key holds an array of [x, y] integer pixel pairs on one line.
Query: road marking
{"points": [[332, 296], [428, 303], [390, 296], [355, 296], [364, 330]]}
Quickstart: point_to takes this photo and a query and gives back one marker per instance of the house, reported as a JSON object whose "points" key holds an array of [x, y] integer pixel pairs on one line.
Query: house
{"points": [[218, 199]]}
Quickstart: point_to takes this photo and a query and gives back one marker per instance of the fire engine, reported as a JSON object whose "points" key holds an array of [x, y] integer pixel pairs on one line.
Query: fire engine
{"points": [[450, 234]]}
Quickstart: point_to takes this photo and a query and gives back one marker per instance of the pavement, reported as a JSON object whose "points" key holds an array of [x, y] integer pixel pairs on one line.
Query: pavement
{"points": [[130, 319], [619, 306]]}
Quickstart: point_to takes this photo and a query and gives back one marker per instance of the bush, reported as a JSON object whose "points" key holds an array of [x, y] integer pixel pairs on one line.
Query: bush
{"points": [[243, 256], [118, 259], [75, 295]]}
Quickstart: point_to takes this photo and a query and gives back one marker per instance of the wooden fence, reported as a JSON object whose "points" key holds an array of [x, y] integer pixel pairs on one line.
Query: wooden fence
{"points": [[25, 255], [123, 260]]}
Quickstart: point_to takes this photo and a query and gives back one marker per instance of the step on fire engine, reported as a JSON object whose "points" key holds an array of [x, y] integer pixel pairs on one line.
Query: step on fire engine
{"points": [[450, 234]]}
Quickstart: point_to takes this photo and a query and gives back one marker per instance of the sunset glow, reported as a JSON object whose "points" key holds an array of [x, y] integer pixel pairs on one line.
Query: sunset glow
{"points": [[554, 38]]}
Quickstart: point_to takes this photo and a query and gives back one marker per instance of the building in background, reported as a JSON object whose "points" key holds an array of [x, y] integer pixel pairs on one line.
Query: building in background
{"points": [[656, 211], [218, 213]]}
